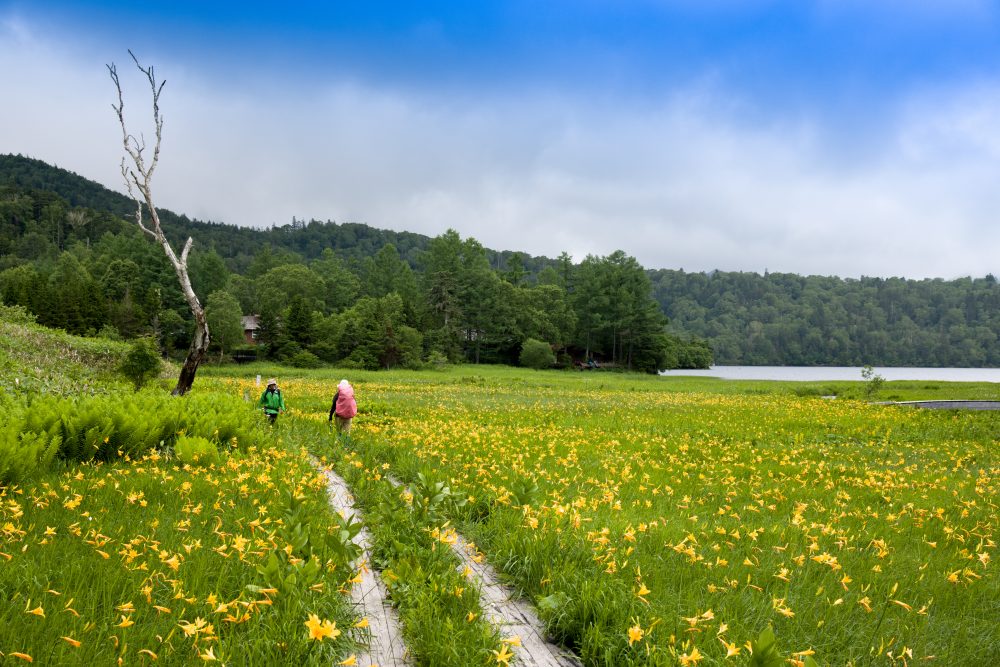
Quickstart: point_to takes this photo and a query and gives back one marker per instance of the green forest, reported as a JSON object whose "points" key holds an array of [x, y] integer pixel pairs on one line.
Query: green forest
{"points": [[792, 320], [323, 292], [328, 292]]}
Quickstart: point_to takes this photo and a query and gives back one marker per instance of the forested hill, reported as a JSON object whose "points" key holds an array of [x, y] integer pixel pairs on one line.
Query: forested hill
{"points": [[787, 319], [322, 292], [237, 245], [747, 318]]}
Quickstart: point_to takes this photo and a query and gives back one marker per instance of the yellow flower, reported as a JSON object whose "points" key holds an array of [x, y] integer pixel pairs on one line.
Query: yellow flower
{"points": [[635, 634], [149, 653], [318, 630], [208, 656], [72, 642], [22, 656], [37, 611], [731, 648], [363, 623], [691, 658], [126, 621], [350, 661], [503, 656], [192, 629]]}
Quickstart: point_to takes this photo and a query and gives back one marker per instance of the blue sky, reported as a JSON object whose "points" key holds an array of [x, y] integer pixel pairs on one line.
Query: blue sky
{"points": [[833, 137]]}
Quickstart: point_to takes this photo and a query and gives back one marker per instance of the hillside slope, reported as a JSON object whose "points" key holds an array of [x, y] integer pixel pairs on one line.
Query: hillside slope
{"points": [[36, 359], [350, 240]]}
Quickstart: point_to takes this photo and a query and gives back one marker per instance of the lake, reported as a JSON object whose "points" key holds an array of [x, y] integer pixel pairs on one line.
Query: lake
{"points": [[825, 373]]}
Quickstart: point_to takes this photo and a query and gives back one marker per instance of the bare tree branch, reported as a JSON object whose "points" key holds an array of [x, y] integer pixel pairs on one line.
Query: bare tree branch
{"points": [[138, 179], [129, 178], [186, 250]]}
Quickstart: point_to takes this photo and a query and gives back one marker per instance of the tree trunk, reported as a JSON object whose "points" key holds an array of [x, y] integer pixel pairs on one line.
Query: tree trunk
{"points": [[199, 345]]}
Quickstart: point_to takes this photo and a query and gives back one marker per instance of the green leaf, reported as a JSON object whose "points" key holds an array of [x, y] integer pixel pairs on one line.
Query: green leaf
{"points": [[764, 651]]}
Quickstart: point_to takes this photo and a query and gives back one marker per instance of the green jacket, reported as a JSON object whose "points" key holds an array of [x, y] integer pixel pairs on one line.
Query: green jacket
{"points": [[272, 402]]}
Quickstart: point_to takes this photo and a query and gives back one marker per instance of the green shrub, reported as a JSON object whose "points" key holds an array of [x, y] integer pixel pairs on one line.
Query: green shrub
{"points": [[195, 450], [109, 332], [537, 354], [105, 428], [304, 359], [16, 314], [142, 362], [436, 359], [873, 382], [23, 452]]}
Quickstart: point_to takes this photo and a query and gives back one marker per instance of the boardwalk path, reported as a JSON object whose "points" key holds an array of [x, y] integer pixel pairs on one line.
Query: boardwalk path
{"points": [[511, 615], [386, 648]]}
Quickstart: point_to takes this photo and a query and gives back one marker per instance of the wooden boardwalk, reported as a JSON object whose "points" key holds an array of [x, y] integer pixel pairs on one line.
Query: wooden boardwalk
{"points": [[386, 647], [512, 616]]}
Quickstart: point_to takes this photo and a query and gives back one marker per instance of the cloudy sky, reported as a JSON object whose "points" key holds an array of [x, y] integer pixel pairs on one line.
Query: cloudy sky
{"points": [[834, 137]]}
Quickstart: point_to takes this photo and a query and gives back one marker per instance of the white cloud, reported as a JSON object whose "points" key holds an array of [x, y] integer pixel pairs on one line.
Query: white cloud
{"points": [[686, 183]]}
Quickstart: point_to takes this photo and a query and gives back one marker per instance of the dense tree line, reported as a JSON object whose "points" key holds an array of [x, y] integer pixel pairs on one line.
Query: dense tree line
{"points": [[324, 292], [239, 245], [464, 300], [787, 319]]}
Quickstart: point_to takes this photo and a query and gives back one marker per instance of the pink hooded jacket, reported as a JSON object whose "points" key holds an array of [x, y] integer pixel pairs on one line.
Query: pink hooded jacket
{"points": [[345, 407]]}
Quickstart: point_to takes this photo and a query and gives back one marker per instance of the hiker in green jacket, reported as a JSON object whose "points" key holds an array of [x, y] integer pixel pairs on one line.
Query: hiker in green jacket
{"points": [[271, 401]]}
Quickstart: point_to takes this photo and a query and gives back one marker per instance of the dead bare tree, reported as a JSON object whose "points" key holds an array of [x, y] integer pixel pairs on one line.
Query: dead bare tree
{"points": [[138, 177]]}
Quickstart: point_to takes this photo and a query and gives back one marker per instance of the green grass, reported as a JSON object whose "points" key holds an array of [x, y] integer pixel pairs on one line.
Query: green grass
{"points": [[856, 531], [41, 360], [159, 560], [652, 520], [116, 548]]}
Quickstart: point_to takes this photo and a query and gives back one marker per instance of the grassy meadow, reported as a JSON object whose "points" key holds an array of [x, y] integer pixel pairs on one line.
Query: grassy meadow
{"points": [[652, 521], [660, 521], [136, 528]]}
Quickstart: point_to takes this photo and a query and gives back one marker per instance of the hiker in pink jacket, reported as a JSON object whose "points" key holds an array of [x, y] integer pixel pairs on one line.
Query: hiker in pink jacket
{"points": [[344, 407]]}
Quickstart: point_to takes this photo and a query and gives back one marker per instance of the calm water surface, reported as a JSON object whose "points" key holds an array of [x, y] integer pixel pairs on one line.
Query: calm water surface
{"points": [[824, 373]]}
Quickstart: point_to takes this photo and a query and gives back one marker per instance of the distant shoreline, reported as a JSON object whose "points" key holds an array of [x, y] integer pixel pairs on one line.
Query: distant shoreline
{"points": [[840, 373]]}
